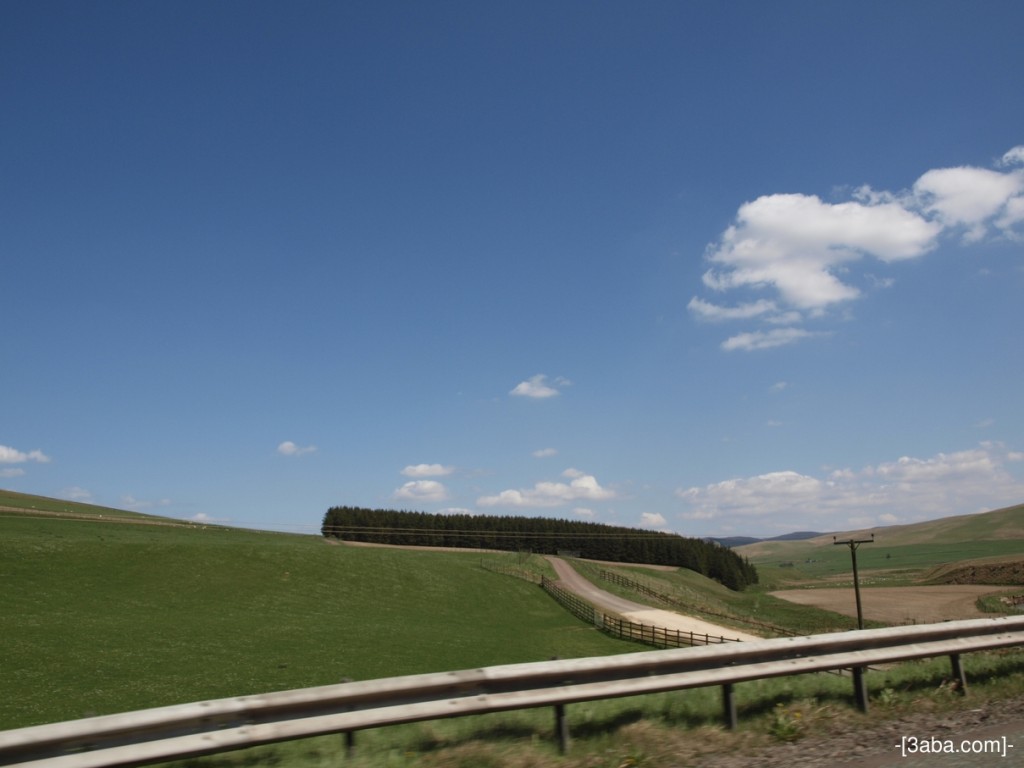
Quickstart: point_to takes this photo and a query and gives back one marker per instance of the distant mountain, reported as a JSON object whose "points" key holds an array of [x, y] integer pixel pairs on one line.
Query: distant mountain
{"points": [[739, 541]]}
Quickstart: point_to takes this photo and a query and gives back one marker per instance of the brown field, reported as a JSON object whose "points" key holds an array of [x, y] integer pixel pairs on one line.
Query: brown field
{"points": [[898, 605]]}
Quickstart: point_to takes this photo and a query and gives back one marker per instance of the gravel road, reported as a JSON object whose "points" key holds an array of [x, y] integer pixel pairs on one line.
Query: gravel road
{"points": [[637, 612]]}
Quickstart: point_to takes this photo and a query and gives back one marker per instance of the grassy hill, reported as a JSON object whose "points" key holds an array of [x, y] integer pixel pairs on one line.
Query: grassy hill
{"points": [[107, 611], [907, 551], [104, 614]]}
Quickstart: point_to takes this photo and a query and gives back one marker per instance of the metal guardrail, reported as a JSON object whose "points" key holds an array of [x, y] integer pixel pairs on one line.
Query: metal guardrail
{"points": [[207, 727]]}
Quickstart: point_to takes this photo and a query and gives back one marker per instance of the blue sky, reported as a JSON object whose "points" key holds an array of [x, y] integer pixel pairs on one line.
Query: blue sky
{"points": [[715, 268]]}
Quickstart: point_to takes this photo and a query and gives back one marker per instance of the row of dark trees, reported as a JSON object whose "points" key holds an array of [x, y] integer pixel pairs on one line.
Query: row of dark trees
{"points": [[542, 535]]}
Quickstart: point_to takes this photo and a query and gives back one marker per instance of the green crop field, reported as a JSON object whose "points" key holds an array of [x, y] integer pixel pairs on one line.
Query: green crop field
{"points": [[104, 615]]}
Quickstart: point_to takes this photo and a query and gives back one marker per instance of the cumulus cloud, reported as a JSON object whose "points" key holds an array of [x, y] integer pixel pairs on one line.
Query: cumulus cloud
{"points": [[537, 387], [794, 243], [902, 490], [10, 455], [288, 448], [544, 453], [652, 520], [968, 197], [582, 487], [804, 250], [421, 491], [427, 470]]}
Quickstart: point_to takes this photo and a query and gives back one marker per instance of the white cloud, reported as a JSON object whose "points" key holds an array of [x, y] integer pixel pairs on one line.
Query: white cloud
{"points": [[10, 455], [713, 312], [288, 448], [427, 470], [544, 453], [582, 487], [202, 517], [945, 484], [804, 249], [777, 337], [1014, 156], [968, 197], [421, 491], [130, 502], [584, 512], [537, 387], [795, 242], [76, 493], [652, 520]]}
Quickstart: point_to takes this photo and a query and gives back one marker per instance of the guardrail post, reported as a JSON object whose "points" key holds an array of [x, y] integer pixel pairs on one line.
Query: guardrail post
{"points": [[959, 678], [860, 689], [729, 702], [350, 736], [561, 729], [350, 744], [561, 725]]}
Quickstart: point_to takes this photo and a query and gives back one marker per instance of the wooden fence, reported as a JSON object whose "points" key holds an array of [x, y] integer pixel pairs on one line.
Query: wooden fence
{"points": [[208, 727], [638, 586], [623, 628], [617, 626]]}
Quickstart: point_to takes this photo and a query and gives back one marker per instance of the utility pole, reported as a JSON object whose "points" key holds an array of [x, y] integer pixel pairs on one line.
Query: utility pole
{"points": [[853, 544], [860, 689]]}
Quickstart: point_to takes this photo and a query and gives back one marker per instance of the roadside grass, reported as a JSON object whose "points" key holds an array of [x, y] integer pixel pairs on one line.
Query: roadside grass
{"points": [[107, 617], [993, 604], [655, 731]]}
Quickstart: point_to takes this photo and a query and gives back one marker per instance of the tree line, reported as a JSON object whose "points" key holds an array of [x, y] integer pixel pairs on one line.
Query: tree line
{"points": [[542, 535]]}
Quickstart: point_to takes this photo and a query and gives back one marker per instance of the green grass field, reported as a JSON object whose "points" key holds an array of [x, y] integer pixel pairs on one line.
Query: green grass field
{"points": [[106, 611], [112, 616], [900, 554]]}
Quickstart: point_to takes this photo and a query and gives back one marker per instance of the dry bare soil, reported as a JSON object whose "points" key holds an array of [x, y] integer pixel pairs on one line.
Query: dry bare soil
{"points": [[897, 605]]}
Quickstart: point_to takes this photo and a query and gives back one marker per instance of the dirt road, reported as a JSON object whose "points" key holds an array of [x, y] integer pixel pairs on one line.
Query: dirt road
{"points": [[637, 612]]}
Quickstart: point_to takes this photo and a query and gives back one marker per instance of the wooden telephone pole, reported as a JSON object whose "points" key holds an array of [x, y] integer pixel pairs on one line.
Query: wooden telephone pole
{"points": [[859, 684]]}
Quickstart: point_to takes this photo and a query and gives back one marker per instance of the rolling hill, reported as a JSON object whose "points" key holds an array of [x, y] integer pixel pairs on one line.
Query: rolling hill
{"points": [[915, 548], [106, 611]]}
